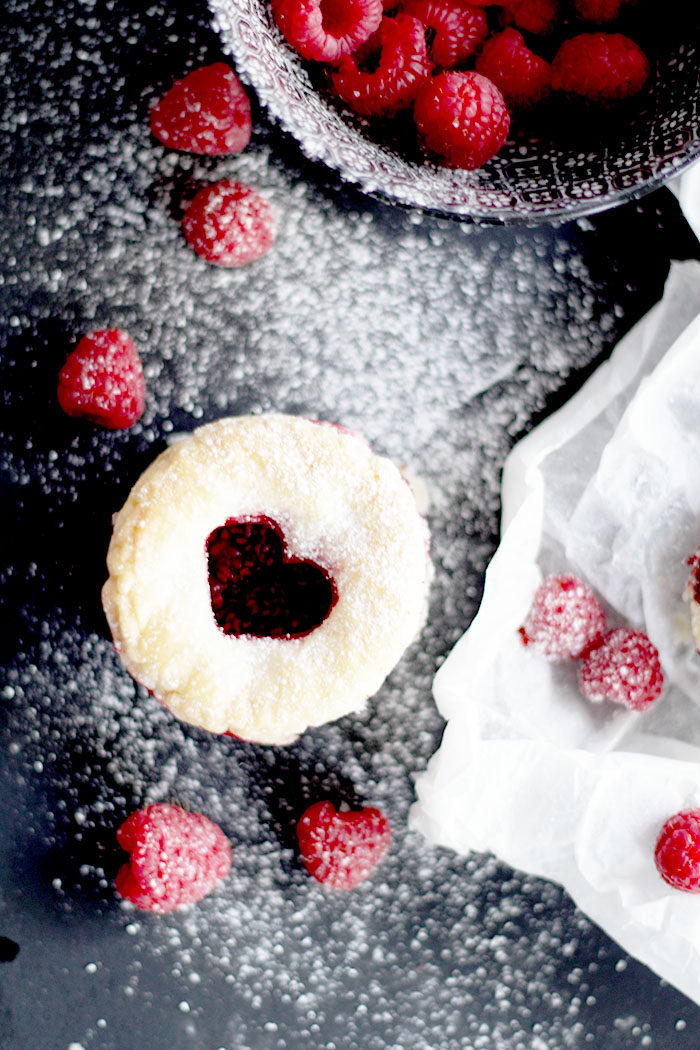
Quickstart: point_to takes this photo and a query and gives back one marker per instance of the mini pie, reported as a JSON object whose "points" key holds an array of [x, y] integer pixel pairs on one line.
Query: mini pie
{"points": [[278, 508]]}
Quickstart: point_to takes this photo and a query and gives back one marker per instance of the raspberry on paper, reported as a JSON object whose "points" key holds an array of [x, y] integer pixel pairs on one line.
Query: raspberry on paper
{"points": [[342, 848], [400, 65], [600, 67], [523, 78], [176, 857], [624, 668], [323, 30], [229, 224], [206, 112], [565, 620], [102, 380], [677, 851], [458, 29], [461, 118]]}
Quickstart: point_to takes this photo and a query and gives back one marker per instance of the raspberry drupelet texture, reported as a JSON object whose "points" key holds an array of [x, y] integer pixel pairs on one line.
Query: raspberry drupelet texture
{"points": [[457, 29], [599, 11], [677, 852], [323, 30], [565, 620], [102, 380], [522, 77], [341, 848], [534, 16], [176, 857], [206, 112], [600, 67], [461, 118], [396, 70], [624, 668], [229, 224]]}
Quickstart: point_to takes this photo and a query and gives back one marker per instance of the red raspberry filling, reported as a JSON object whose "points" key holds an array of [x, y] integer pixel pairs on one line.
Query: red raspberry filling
{"points": [[461, 118], [341, 849], [380, 82], [323, 30], [102, 380], [677, 852], [600, 67], [229, 224], [257, 589], [624, 668], [565, 620], [176, 857], [206, 112], [457, 29], [522, 77]]}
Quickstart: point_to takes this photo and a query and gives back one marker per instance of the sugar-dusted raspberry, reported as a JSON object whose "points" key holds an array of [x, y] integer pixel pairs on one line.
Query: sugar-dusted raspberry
{"points": [[598, 11], [229, 224], [624, 668], [522, 77], [458, 28], [692, 590], [677, 852], [102, 380], [382, 83], [461, 118], [176, 857], [534, 16], [600, 67], [206, 112], [323, 30], [565, 620], [341, 848]]}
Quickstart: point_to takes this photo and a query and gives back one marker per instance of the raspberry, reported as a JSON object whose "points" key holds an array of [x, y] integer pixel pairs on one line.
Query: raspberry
{"points": [[565, 620], [340, 849], [206, 112], [459, 29], [176, 857], [522, 77], [461, 118], [677, 852], [624, 668], [323, 30], [229, 224], [534, 16], [692, 590], [598, 10], [256, 590], [600, 67], [400, 68], [102, 380]]}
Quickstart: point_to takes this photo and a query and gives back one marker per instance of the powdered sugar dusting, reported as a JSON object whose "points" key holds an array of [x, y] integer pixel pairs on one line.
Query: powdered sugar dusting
{"points": [[439, 342]]}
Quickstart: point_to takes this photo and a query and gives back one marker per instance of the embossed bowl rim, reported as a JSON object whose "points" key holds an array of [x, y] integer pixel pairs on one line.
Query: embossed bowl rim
{"points": [[498, 193]]}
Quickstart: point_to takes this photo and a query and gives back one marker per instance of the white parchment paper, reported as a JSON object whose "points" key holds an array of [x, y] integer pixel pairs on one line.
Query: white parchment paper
{"points": [[607, 488]]}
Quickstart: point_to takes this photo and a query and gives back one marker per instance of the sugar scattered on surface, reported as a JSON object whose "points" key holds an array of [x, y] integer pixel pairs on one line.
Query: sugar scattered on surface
{"points": [[439, 342]]}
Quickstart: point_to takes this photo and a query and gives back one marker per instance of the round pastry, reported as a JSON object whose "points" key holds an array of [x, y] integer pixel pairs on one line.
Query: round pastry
{"points": [[266, 573]]}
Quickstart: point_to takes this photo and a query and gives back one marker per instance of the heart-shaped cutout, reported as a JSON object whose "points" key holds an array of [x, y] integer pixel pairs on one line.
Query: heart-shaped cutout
{"points": [[258, 589]]}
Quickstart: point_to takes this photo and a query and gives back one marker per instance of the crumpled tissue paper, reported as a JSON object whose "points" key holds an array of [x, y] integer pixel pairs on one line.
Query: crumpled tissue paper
{"points": [[607, 488]]}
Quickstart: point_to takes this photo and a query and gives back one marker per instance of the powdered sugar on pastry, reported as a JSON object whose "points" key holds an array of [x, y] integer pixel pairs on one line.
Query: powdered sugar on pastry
{"points": [[337, 504]]}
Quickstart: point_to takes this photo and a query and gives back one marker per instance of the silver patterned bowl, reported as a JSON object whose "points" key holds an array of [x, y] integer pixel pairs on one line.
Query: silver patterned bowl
{"points": [[571, 165]]}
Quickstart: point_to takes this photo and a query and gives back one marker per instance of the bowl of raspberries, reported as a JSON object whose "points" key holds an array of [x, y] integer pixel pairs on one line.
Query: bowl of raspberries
{"points": [[493, 110]]}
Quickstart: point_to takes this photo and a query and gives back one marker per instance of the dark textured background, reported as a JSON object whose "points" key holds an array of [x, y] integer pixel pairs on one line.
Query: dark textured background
{"points": [[444, 343]]}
